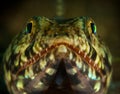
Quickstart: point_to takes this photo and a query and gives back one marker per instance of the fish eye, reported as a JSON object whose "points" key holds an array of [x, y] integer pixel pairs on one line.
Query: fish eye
{"points": [[93, 28], [29, 28]]}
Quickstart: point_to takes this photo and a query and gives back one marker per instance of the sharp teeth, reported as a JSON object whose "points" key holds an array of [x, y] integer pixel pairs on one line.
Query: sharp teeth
{"points": [[31, 73], [52, 57], [79, 64], [41, 86], [97, 59], [23, 58], [70, 56], [50, 71], [90, 72], [84, 68], [94, 74], [24, 93], [42, 64], [19, 84], [97, 86], [72, 71], [26, 74], [35, 49]]}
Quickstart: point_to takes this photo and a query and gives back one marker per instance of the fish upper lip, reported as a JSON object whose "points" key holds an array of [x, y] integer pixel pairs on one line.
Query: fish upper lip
{"points": [[82, 54]]}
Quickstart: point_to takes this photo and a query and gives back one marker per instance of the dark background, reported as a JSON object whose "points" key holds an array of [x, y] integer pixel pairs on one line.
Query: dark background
{"points": [[14, 14]]}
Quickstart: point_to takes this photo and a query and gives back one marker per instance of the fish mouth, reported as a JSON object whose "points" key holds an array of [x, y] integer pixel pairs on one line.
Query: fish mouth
{"points": [[65, 74], [61, 82], [62, 48], [71, 77]]}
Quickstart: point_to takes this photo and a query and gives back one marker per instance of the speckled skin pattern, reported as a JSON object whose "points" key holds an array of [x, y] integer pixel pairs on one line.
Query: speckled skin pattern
{"points": [[54, 52]]}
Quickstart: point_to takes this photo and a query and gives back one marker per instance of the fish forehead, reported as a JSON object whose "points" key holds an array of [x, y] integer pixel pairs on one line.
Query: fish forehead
{"points": [[59, 26], [49, 31]]}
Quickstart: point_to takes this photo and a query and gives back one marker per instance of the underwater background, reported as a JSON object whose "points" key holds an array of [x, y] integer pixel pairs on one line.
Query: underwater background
{"points": [[105, 13]]}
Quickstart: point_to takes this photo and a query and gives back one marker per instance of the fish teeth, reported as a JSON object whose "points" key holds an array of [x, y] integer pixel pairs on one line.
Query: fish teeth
{"points": [[31, 73], [70, 56], [35, 50], [50, 71], [52, 57], [19, 84], [26, 74], [90, 72], [97, 86], [79, 64], [41, 86], [24, 93], [93, 74], [97, 60], [72, 71], [84, 68], [42, 63], [23, 58]]}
